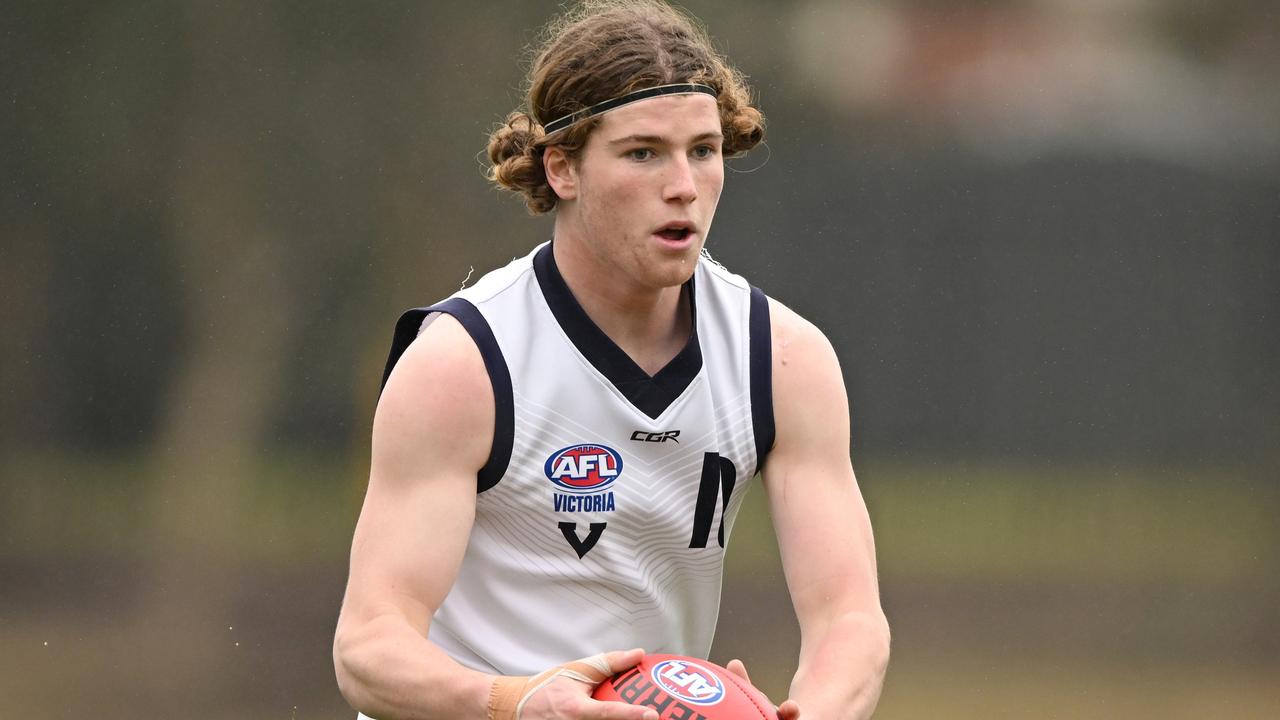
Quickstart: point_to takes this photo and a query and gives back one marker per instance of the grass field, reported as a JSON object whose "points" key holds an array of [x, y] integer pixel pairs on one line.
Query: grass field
{"points": [[1049, 592], [1013, 591]]}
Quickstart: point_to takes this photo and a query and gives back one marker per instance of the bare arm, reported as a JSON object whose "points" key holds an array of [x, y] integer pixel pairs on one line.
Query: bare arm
{"points": [[430, 437], [824, 533]]}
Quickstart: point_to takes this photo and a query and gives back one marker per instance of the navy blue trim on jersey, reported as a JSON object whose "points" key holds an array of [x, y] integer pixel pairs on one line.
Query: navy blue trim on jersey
{"points": [[477, 327], [761, 340], [649, 394]]}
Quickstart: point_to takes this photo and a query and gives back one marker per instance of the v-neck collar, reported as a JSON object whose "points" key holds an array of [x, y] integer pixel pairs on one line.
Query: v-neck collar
{"points": [[652, 395]]}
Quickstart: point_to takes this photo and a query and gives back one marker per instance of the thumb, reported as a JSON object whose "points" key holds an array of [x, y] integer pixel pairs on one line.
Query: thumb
{"points": [[620, 660], [736, 667], [595, 669], [789, 710]]}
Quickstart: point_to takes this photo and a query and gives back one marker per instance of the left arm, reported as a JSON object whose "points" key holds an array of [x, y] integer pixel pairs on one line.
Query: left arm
{"points": [[824, 533]]}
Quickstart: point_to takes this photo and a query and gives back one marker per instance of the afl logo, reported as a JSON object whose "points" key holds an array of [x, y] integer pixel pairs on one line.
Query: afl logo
{"points": [[584, 468], [688, 681]]}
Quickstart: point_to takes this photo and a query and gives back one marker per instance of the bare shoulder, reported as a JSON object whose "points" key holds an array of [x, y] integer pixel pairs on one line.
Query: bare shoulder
{"points": [[802, 354], [437, 407], [793, 335], [810, 405]]}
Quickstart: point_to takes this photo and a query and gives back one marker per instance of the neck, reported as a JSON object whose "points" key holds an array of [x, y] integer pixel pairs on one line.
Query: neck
{"points": [[651, 325]]}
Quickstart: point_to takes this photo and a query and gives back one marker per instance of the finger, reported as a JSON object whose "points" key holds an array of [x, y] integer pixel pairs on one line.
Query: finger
{"points": [[620, 660], [596, 669], [788, 710], [610, 710], [736, 667], [590, 670]]}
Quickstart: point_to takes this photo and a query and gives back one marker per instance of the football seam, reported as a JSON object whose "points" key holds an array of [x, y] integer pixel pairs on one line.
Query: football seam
{"points": [[748, 692]]}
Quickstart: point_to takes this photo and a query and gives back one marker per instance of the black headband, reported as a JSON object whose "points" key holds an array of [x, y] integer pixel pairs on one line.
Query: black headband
{"points": [[677, 89]]}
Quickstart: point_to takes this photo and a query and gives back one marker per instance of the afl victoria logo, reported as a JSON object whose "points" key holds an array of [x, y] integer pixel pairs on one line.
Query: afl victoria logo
{"points": [[688, 681], [584, 468]]}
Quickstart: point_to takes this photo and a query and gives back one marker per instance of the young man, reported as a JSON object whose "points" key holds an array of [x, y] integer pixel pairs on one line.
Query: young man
{"points": [[560, 449]]}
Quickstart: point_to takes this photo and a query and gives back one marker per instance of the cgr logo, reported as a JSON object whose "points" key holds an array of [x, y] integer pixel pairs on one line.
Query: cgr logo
{"points": [[657, 437], [583, 468], [688, 681]]}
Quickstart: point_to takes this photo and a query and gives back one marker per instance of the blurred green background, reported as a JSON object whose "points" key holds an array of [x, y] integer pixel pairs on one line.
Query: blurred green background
{"points": [[1043, 235]]}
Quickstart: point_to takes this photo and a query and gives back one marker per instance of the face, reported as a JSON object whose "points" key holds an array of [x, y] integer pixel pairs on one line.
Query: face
{"points": [[640, 197]]}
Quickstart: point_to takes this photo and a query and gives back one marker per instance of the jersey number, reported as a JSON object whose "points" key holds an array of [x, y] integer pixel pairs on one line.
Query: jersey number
{"points": [[718, 478], [717, 473]]}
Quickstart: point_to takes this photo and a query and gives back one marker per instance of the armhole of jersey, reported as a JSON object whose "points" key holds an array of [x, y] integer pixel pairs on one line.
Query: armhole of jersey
{"points": [[499, 377], [761, 368]]}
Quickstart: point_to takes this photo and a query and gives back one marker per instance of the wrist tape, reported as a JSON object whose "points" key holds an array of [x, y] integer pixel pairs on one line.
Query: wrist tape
{"points": [[508, 695]]}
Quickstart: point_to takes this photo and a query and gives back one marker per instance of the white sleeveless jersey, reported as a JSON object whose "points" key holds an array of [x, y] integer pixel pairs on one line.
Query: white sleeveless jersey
{"points": [[608, 496]]}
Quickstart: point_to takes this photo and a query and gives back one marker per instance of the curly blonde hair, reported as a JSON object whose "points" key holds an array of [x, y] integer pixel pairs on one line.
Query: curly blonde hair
{"points": [[599, 50]]}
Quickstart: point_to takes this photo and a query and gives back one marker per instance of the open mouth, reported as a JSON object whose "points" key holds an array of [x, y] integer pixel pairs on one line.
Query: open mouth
{"points": [[675, 232]]}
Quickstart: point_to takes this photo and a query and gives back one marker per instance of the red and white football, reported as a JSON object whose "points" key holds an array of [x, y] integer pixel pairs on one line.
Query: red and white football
{"points": [[684, 688]]}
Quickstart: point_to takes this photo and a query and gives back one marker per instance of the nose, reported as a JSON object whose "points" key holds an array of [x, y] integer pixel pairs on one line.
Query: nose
{"points": [[680, 186]]}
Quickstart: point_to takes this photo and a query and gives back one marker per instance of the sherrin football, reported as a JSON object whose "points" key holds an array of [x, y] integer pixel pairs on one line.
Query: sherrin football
{"points": [[684, 688]]}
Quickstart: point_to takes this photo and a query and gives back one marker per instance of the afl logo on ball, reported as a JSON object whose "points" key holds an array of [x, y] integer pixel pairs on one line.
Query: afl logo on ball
{"points": [[688, 681], [584, 468]]}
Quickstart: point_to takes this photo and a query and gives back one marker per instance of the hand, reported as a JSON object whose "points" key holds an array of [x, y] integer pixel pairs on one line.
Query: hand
{"points": [[564, 692], [788, 710]]}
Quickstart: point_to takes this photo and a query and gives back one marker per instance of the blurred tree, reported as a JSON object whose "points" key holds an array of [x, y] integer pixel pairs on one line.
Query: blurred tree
{"points": [[233, 263]]}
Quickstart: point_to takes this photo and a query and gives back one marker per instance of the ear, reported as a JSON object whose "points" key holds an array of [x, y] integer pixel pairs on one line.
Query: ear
{"points": [[562, 172]]}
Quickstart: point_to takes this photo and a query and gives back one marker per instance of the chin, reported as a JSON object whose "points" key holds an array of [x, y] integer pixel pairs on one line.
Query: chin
{"points": [[675, 273]]}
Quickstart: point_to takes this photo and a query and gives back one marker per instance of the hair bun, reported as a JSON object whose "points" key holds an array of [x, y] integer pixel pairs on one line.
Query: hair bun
{"points": [[515, 136], [516, 161]]}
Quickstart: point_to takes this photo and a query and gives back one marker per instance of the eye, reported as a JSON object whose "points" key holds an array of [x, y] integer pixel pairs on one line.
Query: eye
{"points": [[641, 154], [705, 152]]}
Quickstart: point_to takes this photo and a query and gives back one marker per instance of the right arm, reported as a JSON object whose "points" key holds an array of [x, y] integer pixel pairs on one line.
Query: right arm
{"points": [[431, 434]]}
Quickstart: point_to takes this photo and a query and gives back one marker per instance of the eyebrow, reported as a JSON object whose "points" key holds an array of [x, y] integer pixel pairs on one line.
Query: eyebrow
{"points": [[659, 140]]}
